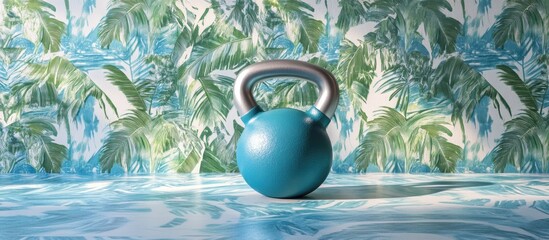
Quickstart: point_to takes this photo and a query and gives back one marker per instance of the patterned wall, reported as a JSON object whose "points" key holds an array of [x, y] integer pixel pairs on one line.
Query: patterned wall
{"points": [[145, 86]]}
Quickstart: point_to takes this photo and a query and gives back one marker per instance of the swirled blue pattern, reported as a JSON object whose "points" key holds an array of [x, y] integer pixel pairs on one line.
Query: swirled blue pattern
{"points": [[372, 206]]}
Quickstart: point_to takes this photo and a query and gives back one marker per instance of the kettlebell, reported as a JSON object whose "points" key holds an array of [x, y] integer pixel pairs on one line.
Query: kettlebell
{"points": [[285, 153]]}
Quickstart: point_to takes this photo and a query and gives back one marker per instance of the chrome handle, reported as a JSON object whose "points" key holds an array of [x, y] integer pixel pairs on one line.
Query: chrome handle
{"points": [[328, 90]]}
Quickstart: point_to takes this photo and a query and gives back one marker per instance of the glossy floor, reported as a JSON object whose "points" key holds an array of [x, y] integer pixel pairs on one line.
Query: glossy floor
{"points": [[374, 206]]}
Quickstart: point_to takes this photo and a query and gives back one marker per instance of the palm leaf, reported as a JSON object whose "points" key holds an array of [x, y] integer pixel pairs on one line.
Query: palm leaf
{"points": [[218, 157], [464, 87], [126, 86], [427, 140], [174, 146], [210, 104], [392, 139], [441, 29], [356, 69], [244, 14], [52, 155], [123, 17], [51, 33], [371, 150], [213, 52], [236, 134], [394, 81], [405, 17], [187, 164], [126, 141], [33, 94], [163, 79], [382, 141], [75, 85], [518, 19], [388, 120], [165, 136], [217, 52], [42, 151], [293, 94], [353, 12], [185, 39], [523, 136], [301, 27], [39, 24], [444, 154], [512, 79]]}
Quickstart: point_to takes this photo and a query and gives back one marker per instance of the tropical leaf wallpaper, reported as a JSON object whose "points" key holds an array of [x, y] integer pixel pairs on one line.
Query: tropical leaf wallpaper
{"points": [[145, 86]]}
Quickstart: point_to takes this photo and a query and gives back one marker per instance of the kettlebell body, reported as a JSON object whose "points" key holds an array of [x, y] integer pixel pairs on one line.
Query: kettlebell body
{"points": [[284, 153]]}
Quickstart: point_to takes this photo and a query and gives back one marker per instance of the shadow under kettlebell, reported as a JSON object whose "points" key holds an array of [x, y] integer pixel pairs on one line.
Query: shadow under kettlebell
{"points": [[389, 191]]}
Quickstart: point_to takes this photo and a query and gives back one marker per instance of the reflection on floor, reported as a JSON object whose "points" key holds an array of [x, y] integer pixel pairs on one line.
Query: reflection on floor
{"points": [[222, 206]]}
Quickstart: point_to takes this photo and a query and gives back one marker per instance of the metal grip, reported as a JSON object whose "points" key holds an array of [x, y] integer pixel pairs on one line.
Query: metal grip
{"points": [[328, 90]]}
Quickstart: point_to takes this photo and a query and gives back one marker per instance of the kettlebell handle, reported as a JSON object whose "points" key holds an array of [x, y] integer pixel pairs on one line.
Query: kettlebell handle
{"points": [[328, 90]]}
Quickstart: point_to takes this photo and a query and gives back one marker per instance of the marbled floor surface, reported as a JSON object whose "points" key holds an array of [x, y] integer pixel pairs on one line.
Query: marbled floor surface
{"points": [[371, 206]]}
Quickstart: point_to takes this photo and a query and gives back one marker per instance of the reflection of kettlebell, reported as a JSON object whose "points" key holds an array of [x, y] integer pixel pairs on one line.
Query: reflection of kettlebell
{"points": [[285, 153]]}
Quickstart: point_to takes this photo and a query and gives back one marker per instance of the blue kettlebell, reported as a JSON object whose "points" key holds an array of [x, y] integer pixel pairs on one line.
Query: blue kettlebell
{"points": [[285, 153]]}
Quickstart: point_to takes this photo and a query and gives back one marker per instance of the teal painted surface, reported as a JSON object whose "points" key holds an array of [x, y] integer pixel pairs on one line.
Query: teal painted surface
{"points": [[284, 153], [142, 86]]}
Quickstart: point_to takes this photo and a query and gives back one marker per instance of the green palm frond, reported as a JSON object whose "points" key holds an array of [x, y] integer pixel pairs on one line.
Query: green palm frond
{"points": [[140, 143], [210, 104], [293, 94], [217, 52], [398, 84], [428, 141], [218, 158], [168, 12], [407, 16], [441, 29], [356, 69], [371, 152], [174, 146], [525, 135], [52, 155], [42, 152], [520, 18], [188, 163], [146, 87], [186, 38], [126, 86], [126, 141], [237, 132], [34, 126], [382, 141], [389, 120], [51, 33], [464, 87], [212, 52], [39, 23], [420, 137], [244, 14], [513, 80], [301, 26], [71, 81], [75, 85], [444, 155], [33, 93], [165, 136], [353, 12], [159, 86], [123, 17], [220, 155]]}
